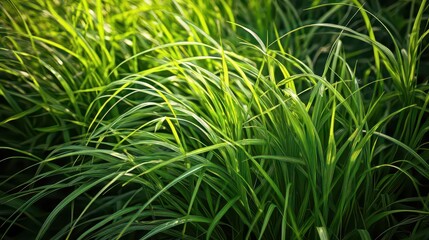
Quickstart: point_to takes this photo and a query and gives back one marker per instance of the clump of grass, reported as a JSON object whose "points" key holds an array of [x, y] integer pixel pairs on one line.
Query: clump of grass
{"points": [[193, 120]]}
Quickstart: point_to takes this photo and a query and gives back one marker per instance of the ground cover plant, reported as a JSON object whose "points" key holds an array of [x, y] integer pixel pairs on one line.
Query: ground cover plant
{"points": [[223, 119]]}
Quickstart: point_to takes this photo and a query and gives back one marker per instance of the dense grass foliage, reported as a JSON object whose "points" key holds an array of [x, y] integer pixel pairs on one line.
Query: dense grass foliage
{"points": [[224, 119]]}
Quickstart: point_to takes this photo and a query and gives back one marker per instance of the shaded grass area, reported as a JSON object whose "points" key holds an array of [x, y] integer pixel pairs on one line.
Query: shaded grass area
{"points": [[224, 120]]}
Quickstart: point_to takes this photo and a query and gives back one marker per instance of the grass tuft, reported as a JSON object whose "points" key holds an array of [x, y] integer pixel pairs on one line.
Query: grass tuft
{"points": [[222, 120]]}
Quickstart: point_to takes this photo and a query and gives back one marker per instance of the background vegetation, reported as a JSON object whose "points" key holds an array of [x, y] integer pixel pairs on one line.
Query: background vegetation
{"points": [[224, 119]]}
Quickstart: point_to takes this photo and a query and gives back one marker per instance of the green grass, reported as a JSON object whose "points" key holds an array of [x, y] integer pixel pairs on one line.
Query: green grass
{"points": [[225, 120]]}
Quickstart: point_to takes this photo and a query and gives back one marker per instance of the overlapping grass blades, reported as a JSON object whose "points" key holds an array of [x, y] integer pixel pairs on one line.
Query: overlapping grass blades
{"points": [[224, 120]]}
